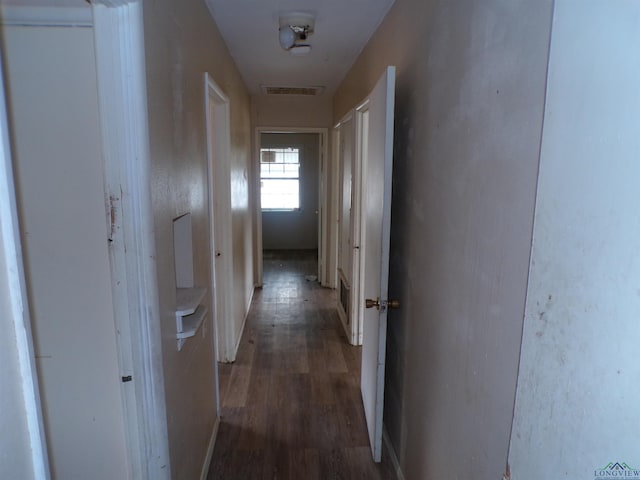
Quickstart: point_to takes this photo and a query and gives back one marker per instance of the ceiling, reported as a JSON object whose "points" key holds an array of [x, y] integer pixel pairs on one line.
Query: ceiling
{"points": [[250, 30], [342, 28]]}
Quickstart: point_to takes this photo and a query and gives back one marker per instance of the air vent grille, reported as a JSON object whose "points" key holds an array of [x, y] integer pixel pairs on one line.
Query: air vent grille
{"points": [[303, 91], [345, 293]]}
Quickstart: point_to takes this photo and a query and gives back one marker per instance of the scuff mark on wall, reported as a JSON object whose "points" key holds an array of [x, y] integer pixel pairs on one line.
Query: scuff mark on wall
{"points": [[112, 216]]}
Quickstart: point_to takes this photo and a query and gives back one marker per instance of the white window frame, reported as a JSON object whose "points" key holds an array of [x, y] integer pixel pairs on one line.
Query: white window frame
{"points": [[298, 178]]}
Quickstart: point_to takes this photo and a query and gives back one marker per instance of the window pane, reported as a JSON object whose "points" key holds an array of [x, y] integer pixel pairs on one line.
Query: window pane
{"points": [[280, 194], [279, 178], [291, 170], [290, 156], [280, 170]]}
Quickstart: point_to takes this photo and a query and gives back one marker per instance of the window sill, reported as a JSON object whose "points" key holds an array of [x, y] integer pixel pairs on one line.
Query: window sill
{"points": [[280, 210]]}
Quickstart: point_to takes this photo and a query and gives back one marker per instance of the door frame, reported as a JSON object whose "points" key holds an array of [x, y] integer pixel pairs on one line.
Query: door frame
{"points": [[358, 224], [326, 223], [122, 96], [345, 131]]}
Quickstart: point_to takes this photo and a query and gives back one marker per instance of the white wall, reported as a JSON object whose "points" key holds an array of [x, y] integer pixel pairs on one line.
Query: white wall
{"points": [[469, 105], [297, 229], [578, 387], [15, 448], [182, 43], [18, 404], [54, 124]]}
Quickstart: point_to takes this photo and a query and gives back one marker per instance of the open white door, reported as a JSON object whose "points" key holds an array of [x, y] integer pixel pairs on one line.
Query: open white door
{"points": [[376, 115]]}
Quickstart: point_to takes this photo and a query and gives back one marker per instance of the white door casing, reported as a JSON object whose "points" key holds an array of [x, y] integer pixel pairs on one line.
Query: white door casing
{"points": [[350, 154], [377, 131], [345, 137], [122, 94]]}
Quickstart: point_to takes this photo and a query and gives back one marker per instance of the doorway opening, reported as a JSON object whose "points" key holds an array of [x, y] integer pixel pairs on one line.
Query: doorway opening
{"points": [[289, 193], [292, 196]]}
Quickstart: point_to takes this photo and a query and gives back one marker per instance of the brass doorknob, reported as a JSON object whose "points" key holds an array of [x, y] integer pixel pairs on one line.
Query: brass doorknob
{"points": [[372, 303], [369, 303], [393, 304]]}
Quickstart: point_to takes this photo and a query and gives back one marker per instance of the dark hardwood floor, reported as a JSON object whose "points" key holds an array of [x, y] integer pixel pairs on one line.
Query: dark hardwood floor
{"points": [[291, 406]]}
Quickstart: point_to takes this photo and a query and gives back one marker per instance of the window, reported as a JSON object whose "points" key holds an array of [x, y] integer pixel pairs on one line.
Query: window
{"points": [[280, 178]]}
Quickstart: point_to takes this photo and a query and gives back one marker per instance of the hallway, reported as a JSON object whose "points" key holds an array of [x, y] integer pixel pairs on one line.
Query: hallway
{"points": [[291, 406]]}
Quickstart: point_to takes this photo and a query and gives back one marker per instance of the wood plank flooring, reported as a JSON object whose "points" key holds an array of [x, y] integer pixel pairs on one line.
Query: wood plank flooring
{"points": [[291, 406]]}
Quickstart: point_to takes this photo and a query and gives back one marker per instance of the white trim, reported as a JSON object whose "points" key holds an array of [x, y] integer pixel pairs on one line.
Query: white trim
{"points": [[218, 131], [244, 321], [333, 208], [257, 234], [239, 338], [122, 95], [204, 473], [392, 454], [323, 207], [19, 314], [241, 331], [357, 188], [46, 16], [323, 227]]}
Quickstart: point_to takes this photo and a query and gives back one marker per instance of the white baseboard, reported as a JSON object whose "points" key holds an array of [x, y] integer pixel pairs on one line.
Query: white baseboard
{"points": [[212, 443], [228, 355], [239, 339], [392, 454], [244, 324]]}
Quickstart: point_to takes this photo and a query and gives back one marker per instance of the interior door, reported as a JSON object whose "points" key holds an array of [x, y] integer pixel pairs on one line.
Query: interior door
{"points": [[376, 115]]}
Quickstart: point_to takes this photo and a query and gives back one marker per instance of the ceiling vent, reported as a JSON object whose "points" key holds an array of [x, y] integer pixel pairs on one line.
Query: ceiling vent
{"points": [[301, 91]]}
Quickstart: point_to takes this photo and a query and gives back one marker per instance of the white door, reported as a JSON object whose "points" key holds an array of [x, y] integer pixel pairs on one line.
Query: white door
{"points": [[218, 127], [376, 115]]}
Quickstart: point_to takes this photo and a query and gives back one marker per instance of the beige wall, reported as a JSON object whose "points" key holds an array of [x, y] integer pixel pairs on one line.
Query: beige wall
{"points": [[469, 103], [182, 43], [291, 111]]}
